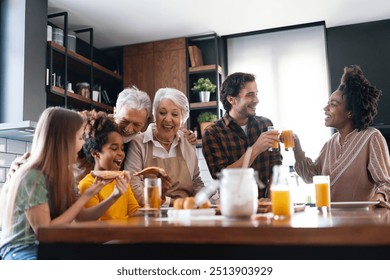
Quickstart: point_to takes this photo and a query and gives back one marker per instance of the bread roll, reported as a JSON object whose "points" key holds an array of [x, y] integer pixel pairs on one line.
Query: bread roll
{"points": [[178, 203], [189, 203]]}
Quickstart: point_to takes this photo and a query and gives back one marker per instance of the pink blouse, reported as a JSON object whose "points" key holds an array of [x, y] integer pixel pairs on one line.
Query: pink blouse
{"points": [[358, 169]]}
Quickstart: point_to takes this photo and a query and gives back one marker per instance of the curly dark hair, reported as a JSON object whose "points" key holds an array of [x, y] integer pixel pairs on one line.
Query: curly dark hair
{"points": [[360, 96], [232, 86], [98, 126]]}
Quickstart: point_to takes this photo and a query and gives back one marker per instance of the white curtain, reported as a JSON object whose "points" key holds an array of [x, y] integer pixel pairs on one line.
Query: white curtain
{"points": [[292, 79]]}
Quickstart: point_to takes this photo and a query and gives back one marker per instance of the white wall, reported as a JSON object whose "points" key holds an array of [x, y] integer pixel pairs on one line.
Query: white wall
{"points": [[292, 78]]}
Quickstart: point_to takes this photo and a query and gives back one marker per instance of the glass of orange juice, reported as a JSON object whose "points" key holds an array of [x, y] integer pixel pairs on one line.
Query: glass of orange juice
{"points": [[322, 189], [288, 139], [152, 195], [275, 145]]}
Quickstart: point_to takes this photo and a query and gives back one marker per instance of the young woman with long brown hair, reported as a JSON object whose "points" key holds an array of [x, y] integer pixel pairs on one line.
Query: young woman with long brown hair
{"points": [[42, 192]]}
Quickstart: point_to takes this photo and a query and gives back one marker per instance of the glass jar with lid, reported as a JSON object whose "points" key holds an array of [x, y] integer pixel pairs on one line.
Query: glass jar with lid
{"points": [[83, 89], [239, 192]]}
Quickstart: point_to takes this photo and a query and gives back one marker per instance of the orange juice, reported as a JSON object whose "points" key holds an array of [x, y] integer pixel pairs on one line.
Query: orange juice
{"points": [[275, 145], [322, 194], [288, 139], [281, 202], [152, 197]]}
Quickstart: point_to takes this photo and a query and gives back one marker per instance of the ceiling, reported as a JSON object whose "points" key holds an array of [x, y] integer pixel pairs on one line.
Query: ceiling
{"points": [[124, 22]]}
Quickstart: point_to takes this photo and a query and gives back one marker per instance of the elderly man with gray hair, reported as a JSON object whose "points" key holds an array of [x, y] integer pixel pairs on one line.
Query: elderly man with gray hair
{"points": [[132, 111]]}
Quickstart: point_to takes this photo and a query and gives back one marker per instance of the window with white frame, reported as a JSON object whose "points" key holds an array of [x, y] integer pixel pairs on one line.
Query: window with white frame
{"points": [[292, 78]]}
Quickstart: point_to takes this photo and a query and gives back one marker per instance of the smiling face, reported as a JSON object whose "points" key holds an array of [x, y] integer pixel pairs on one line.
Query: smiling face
{"points": [[112, 154], [244, 105], [168, 119], [335, 111], [130, 121]]}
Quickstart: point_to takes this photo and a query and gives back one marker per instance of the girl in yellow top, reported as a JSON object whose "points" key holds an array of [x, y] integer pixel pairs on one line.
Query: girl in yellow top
{"points": [[104, 147]]}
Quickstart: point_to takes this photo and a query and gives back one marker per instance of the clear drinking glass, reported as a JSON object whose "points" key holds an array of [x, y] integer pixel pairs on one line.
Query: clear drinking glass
{"points": [[152, 195], [322, 188], [275, 146], [288, 139]]}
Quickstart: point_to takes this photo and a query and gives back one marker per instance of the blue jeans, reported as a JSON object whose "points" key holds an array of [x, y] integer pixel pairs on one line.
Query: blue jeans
{"points": [[22, 252]]}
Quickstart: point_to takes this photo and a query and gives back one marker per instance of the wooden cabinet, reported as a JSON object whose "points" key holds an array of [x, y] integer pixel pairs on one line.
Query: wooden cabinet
{"points": [[210, 47], [65, 67], [138, 67], [154, 65]]}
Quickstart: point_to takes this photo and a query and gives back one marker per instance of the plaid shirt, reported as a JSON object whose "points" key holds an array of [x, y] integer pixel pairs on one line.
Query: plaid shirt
{"points": [[225, 142]]}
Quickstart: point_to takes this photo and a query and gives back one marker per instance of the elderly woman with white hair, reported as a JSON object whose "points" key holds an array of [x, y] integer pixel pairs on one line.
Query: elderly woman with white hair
{"points": [[163, 145]]}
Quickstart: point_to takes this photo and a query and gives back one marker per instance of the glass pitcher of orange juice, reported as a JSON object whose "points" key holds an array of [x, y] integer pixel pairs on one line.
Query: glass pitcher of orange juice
{"points": [[280, 192]]}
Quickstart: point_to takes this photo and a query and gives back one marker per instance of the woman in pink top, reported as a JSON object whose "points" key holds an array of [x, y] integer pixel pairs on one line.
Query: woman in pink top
{"points": [[357, 156]]}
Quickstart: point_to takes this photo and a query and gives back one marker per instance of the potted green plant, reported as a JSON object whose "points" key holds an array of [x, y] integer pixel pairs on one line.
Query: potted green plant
{"points": [[204, 87], [205, 119]]}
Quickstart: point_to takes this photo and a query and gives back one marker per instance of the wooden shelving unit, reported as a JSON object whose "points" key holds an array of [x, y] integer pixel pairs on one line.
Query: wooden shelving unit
{"points": [[76, 56], [75, 68], [209, 46], [203, 105], [205, 68]]}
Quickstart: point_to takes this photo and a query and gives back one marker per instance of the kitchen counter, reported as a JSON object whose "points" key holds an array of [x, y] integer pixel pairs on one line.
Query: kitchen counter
{"points": [[342, 232]]}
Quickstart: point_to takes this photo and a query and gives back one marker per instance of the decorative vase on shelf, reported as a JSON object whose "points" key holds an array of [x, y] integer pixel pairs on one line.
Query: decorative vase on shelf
{"points": [[204, 96], [204, 86]]}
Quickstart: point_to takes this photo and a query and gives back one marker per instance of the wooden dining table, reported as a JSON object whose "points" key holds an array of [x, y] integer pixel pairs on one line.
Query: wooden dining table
{"points": [[343, 233]]}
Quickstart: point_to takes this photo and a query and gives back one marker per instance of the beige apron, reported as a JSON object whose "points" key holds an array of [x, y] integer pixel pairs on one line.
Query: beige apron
{"points": [[177, 169]]}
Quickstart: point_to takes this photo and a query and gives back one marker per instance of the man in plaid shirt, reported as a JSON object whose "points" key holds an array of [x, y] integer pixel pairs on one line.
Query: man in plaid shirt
{"points": [[226, 141]]}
